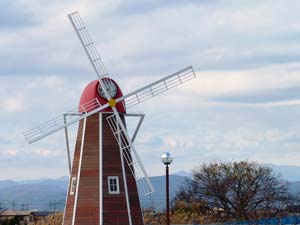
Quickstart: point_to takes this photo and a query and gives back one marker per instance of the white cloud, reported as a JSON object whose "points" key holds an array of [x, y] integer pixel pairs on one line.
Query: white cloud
{"points": [[238, 49], [49, 82], [244, 81], [263, 105], [13, 104], [12, 152]]}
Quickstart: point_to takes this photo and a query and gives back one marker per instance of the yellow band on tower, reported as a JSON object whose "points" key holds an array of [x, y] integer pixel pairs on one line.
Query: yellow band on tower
{"points": [[112, 102]]}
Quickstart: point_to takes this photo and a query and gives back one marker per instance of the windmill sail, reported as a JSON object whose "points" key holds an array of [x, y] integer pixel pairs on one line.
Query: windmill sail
{"points": [[122, 136], [59, 122], [88, 45], [158, 87], [131, 157]]}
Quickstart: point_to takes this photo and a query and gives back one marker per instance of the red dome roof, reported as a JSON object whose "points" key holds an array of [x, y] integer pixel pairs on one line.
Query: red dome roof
{"points": [[90, 93]]}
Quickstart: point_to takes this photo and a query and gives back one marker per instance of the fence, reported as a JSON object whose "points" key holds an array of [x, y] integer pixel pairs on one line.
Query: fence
{"points": [[289, 220]]}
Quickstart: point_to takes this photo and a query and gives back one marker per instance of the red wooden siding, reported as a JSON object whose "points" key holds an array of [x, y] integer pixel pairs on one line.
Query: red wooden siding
{"points": [[114, 205]]}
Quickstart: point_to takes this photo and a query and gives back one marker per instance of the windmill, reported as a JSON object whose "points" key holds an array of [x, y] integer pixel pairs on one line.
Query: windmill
{"points": [[106, 168]]}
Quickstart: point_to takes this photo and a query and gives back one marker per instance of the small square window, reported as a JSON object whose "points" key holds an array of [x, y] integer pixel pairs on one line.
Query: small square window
{"points": [[73, 186], [113, 185]]}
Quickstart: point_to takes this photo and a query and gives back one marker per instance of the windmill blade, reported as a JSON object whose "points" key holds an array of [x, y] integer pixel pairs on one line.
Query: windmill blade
{"points": [[88, 45], [59, 122], [90, 50], [129, 153], [100, 70], [126, 146], [158, 87]]}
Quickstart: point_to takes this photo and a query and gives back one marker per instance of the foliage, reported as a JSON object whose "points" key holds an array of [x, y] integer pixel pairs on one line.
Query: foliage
{"points": [[152, 217], [190, 213], [236, 190], [13, 221], [181, 215], [53, 219]]}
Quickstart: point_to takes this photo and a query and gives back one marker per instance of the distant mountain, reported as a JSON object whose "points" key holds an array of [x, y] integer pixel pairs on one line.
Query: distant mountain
{"points": [[294, 187], [289, 173], [34, 194], [61, 182], [157, 199], [50, 194], [183, 173], [6, 183]]}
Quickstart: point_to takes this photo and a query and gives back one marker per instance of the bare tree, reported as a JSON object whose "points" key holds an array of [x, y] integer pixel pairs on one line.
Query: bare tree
{"points": [[239, 190]]}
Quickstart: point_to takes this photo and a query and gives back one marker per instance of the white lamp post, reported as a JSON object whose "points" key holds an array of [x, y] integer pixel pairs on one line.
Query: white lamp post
{"points": [[167, 159]]}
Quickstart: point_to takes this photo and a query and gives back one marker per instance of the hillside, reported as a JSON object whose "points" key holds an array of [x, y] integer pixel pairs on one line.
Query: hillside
{"points": [[50, 194]]}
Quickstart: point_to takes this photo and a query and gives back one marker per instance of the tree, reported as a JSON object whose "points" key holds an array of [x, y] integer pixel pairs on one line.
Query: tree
{"points": [[238, 190]]}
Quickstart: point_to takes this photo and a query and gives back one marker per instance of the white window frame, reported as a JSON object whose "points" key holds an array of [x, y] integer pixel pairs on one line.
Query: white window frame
{"points": [[73, 186], [117, 183]]}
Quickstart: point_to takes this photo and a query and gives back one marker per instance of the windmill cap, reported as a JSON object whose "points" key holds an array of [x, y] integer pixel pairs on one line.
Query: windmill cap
{"points": [[90, 95]]}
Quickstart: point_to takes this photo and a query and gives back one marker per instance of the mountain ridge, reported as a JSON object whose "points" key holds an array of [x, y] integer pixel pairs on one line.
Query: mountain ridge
{"points": [[50, 194]]}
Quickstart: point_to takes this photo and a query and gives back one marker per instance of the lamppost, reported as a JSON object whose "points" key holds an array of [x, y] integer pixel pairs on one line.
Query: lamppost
{"points": [[167, 158]]}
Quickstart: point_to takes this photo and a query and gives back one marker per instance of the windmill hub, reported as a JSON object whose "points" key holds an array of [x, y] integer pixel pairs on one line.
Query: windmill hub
{"points": [[112, 102]]}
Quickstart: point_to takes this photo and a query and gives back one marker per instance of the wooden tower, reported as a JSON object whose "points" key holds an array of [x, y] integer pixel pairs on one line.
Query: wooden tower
{"points": [[97, 191]]}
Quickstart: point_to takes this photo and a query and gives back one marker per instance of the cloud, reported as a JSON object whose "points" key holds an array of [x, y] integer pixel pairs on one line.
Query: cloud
{"points": [[15, 15], [215, 126], [12, 152], [269, 104], [133, 7], [276, 97], [130, 45], [13, 104], [49, 82], [243, 104]]}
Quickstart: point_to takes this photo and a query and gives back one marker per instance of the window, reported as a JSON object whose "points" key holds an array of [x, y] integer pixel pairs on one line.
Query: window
{"points": [[73, 186], [113, 185]]}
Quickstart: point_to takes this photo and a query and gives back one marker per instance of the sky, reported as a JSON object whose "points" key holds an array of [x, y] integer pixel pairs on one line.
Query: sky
{"points": [[243, 105]]}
